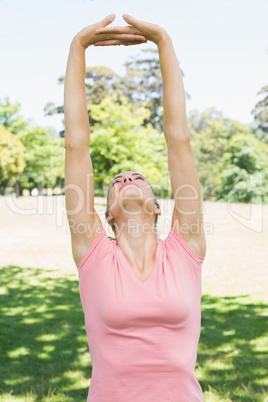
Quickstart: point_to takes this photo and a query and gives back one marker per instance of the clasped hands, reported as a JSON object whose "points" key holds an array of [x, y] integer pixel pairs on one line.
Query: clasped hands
{"points": [[137, 32]]}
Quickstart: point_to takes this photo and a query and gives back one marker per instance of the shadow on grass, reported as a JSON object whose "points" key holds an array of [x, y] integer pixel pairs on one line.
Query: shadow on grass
{"points": [[42, 334], [43, 343], [232, 350]]}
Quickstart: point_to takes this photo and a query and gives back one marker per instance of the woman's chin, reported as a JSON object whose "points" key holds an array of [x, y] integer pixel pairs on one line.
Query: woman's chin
{"points": [[132, 199], [131, 189]]}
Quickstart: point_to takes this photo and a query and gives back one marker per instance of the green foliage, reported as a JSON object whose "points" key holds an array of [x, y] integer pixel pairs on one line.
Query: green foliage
{"points": [[11, 156], [119, 142], [44, 157], [99, 82], [141, 83], [231, 161], [209, 147], [260, 134], [10, 118], [260, 112], [244, 174], [124, 140], [37, 152], [126, 134]]}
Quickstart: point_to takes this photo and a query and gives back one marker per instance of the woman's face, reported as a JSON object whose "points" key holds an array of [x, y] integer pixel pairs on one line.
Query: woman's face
{"points": [[130, 192]]}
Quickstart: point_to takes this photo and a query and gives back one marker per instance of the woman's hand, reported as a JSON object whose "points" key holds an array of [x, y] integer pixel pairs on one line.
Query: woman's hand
{"points": [[93, 34], [151, 32]]}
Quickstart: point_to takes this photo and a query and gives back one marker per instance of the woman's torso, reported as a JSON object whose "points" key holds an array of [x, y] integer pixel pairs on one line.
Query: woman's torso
{"points": [[142, 336]]}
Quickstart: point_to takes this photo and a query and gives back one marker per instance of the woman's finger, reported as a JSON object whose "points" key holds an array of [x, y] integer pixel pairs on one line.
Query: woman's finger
{"points": [[133, 43], [117, 42], [118, 30], [111, 42], [107, 20], [132, 21], [124, 37]]}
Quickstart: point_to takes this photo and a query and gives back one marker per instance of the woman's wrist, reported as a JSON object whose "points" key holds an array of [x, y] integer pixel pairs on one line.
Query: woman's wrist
{"points": [[78, 42], [164, 39]]}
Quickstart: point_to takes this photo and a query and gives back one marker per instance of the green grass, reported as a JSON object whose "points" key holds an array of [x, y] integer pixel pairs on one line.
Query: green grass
{"points": [[44, 352], [232, 353]]}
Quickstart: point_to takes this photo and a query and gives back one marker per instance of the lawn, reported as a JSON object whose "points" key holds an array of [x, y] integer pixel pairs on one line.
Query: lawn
{"points": [[43, 345]]}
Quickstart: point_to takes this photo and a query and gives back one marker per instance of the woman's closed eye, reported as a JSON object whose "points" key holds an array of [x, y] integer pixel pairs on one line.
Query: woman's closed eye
{"points": [[137, 178], [116, 181]]}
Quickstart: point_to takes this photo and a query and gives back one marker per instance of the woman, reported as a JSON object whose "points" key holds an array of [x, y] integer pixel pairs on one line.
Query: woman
{"points": [[140, 295]]}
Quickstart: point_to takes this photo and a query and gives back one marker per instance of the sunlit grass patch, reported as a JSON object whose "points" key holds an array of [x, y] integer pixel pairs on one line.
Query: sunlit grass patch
{"points": [[231, 350]]}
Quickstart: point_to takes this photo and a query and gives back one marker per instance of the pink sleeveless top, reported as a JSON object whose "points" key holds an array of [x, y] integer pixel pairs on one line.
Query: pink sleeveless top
{"points": [[142, 336]]}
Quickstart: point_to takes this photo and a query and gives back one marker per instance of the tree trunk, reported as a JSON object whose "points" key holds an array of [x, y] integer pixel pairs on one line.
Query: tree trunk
{"points": [[18, 189]]}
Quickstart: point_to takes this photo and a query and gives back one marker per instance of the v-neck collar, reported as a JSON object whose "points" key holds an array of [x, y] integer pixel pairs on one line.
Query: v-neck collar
{"points": [[130, 270]]}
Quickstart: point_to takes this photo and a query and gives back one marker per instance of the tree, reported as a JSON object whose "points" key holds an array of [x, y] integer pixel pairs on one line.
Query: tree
{"points": [[44, 157], [43, 151], [119, 142], [260, 112], [11, 157], [244, 170], [197, 121], [98, 84], [10, 118], [141, 84], [210, 141], [230, 160]]}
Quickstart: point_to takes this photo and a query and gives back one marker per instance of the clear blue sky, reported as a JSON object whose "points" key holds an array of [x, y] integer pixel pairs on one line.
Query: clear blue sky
{"points": [[222, 46]]}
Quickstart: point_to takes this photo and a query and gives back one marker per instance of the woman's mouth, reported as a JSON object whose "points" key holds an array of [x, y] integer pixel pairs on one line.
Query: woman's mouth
{"points": [[127, 184]]}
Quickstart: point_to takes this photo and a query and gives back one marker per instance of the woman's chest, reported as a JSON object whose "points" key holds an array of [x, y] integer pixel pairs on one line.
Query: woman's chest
{"points": [[119, 299]]}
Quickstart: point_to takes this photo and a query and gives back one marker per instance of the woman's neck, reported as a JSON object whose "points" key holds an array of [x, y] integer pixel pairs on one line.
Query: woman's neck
{"points": [[138, 242]]}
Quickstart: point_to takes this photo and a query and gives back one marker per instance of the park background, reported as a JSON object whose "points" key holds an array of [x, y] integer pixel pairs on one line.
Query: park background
{"points": [[222, 48]]}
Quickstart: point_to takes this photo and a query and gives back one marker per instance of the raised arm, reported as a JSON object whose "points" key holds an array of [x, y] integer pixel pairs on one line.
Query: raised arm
{"points": [[187, 218], [84, 222]]}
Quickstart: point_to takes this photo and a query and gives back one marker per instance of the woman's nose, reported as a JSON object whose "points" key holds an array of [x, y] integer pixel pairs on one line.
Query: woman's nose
{"points": [[125, 179]]}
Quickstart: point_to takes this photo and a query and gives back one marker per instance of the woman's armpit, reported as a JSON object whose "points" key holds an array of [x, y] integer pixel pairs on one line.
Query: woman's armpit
{"points": [[175, 241]]}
